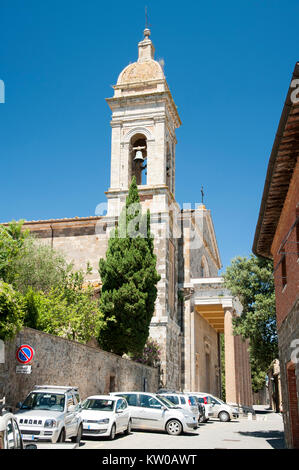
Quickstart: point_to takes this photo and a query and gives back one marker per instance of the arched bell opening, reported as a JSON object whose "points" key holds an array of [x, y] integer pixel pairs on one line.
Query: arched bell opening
{"points": [[138, 157]]}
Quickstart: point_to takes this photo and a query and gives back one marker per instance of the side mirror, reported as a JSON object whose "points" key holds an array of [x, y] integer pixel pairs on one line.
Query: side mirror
{"points": [[164, 408], [71, 408], [119, 411]]}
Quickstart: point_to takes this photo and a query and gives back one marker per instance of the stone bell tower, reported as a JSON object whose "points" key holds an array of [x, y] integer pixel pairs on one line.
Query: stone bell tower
{"points": [[143, 141], [144, 119]]}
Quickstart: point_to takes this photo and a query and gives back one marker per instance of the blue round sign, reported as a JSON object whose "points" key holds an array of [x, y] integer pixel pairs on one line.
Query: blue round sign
{"points": [[25, 354]]}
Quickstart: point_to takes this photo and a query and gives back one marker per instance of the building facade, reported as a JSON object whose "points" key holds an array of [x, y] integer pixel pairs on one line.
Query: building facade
{"points": [[192, 308], [277, 237]]}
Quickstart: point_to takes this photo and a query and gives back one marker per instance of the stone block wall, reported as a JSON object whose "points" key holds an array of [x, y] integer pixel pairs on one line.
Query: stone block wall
{"points": [[58, 361]]}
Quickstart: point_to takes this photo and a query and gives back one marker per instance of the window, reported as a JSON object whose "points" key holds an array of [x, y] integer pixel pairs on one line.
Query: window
{"points": [[183, 401], [147, 401], [70, 400], [131, 399], [121, 405], [283, 272], [98, 404], [192, 401], [173, 399], [44, 401]]}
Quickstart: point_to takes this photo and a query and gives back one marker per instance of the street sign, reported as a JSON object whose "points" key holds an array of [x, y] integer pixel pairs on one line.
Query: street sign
{"points": [[25, 354], [23, 369]]}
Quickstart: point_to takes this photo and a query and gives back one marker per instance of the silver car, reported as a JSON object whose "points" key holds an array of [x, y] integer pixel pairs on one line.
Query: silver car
{"points": [[51, 413], [155, 412], [218, 408], [183, 400]]}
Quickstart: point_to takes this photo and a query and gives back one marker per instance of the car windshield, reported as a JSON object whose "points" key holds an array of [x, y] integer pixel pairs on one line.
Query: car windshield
{"points": [[44, 401], [98, 404], [166, 402]]}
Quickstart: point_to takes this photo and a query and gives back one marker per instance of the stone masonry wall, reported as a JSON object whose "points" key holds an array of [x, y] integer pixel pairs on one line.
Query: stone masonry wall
{"points": [[58, 361]]}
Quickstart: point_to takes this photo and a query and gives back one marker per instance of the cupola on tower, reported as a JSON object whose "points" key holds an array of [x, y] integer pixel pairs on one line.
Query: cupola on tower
{"points": [[144, 119]]}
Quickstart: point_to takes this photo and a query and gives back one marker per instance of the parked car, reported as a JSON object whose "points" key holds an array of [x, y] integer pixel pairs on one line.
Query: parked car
{"points": [[218, 408], [51, 413], [10, 434], [105, 415], [186, 401], [154, 412]]}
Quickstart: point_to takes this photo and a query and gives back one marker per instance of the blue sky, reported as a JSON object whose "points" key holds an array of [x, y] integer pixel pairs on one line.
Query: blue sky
{"points": [[228, 65]]}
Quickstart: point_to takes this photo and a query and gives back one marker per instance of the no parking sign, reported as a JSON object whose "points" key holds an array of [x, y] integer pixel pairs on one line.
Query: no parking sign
{"points": [[25, 354]]}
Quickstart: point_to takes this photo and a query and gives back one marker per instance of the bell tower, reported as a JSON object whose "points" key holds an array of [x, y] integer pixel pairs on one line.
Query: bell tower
{"points": [[143, 141], [144, 120]]}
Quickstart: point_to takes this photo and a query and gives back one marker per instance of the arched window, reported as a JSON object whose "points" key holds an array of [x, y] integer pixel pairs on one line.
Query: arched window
{"points": [[168, 167], [138, 156]]}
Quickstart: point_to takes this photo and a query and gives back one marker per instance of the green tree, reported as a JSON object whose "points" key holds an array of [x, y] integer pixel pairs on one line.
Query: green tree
{"points": [[12, 238], [39, 267], [129, 280], [69, 311], [11, 311], [251, 280]]}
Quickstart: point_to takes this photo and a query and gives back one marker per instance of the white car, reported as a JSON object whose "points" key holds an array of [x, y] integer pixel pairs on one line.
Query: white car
{"points": [[154, 412], [10, 434], [105, 415], [51, 413], [183, 400], [218, 408]]}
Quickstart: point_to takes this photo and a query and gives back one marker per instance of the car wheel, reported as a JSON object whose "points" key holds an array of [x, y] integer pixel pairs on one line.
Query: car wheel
{"points": [[174, 427], [224, 416], [129, 428], [112, 432], [61, 436], [77, 438]]}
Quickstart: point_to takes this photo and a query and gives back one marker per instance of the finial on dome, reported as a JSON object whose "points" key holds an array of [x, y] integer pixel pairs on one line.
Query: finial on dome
{"points": [[146, 49], [147, 33]]}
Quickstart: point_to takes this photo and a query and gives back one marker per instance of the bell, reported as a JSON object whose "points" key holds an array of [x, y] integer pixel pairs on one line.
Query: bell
{"points": [[138, 157]]}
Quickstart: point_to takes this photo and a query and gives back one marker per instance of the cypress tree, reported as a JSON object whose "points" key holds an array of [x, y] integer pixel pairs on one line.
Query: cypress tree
{"points": [[129, 279]]}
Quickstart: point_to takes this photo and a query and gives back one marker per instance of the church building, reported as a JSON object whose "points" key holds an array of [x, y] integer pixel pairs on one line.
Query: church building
{"points": [[192, 308]]}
